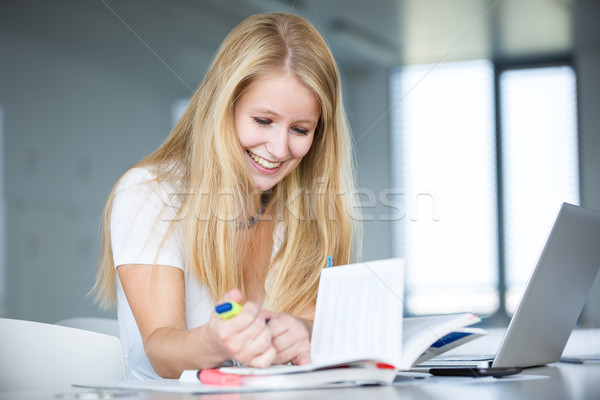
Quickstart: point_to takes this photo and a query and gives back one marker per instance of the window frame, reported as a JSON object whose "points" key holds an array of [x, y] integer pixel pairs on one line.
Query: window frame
{"points": [[501, 316]]}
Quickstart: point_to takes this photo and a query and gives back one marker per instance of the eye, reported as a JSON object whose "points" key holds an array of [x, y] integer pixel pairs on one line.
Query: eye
{"points": [[300, 130], [261, 121]]}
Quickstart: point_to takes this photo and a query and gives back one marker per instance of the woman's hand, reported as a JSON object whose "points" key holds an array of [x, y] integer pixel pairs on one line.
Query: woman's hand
{"points": [[244, 337], [291, 338]]}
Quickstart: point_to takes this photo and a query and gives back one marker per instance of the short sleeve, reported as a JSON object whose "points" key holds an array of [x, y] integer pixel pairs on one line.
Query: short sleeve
{"points": [[142, 212]]}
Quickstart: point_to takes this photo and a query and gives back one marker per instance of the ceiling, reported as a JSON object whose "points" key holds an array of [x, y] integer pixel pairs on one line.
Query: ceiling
{"points": [[184, 34], [391, 32]]}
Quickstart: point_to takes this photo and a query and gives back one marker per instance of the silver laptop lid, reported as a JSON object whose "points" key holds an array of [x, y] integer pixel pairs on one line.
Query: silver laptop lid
{"points": [[556, 292]]}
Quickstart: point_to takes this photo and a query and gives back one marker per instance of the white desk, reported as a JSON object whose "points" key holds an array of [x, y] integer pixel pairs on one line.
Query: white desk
{"points": [[557, 381]]}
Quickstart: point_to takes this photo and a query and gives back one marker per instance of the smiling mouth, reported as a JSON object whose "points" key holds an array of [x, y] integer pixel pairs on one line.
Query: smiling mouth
{"points": [[262, 162]]}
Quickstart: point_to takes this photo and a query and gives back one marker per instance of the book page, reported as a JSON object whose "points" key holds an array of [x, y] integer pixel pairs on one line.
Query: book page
{"points": [[450, 341], [420, 332], [359, 312]]}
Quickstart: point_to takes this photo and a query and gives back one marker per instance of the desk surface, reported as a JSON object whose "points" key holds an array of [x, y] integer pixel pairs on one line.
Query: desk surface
{"points": [[556, 381]]}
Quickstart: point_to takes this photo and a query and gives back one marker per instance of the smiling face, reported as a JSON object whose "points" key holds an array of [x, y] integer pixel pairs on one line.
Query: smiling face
{"points": [[275, 123]]}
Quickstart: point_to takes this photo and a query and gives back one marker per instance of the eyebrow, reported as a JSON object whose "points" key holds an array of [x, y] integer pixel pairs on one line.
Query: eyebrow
{"points": [[273, 113]]}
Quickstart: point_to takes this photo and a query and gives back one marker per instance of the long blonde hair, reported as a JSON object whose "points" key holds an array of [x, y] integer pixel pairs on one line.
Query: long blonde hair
{"points": [[203, 156]]}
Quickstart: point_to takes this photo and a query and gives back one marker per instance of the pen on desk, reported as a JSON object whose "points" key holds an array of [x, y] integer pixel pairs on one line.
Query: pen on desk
{"points": [[329, 262], [228, 309]]}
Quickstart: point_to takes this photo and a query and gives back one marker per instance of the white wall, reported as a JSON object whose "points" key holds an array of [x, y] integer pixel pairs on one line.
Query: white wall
{"points": [[71, 128]]}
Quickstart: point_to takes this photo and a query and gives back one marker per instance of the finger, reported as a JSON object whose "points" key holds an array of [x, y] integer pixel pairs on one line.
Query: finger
{"points": [[283, 343], [285, 326], [233, 334], [293, 340], [232, 295], [295, 351], [302, 359], [277, 327], [243, 340], [280, 324], [247, 344], [268, 315], [249, 322], [263, 360], [256, 346]]}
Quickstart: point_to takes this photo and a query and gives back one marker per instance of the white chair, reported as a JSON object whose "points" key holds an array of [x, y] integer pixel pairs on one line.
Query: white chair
{"points": [[35, 355], [107, 326]]}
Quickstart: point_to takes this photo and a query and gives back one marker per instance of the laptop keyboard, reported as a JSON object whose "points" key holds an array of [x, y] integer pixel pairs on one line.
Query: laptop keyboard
{"points": [[465, 357]]}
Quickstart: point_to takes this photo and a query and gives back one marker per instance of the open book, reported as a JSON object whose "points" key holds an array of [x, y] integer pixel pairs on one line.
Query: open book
{"points": [[359, 316], [359, 335]]}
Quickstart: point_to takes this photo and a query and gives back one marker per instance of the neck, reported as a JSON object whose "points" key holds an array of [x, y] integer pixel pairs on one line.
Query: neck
{"points": [[255, 216]]}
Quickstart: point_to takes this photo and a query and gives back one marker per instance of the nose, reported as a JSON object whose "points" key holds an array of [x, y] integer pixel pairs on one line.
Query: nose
{"points": [[278, 144]]}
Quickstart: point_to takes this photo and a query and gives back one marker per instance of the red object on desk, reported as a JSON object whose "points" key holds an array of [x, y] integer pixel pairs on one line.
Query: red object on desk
{"points": [[216, 377], [384, 366]]}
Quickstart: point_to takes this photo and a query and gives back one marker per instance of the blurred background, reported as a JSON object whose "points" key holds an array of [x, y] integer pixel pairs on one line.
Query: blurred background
{"points": [[472, 121]]}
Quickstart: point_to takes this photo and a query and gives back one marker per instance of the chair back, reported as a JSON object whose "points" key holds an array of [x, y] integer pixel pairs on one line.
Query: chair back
{"points": [[35, 355]]}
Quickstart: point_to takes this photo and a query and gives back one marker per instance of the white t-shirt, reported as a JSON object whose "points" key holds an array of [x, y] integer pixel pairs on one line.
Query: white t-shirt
{"points": [[141, 213]]}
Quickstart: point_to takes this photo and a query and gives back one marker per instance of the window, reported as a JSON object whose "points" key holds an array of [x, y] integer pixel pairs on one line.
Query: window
{"points": [[444, 150], [464, 249], [540, 167]]}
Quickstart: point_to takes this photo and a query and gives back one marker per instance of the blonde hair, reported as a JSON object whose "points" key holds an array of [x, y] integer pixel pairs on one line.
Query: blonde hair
{"points": [[203, 156]]}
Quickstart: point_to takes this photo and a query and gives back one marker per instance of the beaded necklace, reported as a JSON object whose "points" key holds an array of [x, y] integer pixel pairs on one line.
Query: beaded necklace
{"points": [[264, 199]]}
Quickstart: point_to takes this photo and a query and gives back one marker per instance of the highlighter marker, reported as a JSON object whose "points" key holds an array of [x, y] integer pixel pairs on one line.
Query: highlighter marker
{"points": [[329, 262], [216, 377], [228, 310]]}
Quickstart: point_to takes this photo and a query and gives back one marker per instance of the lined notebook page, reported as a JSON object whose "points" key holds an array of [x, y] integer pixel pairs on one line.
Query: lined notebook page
{"points": [[359, 312]]}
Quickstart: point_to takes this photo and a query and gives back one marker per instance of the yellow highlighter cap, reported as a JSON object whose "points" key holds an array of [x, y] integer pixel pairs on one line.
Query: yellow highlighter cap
{"points": [[228, 310]]}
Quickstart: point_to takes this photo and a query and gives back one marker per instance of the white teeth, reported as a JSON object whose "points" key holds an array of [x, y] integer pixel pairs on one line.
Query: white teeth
{"points": [[264, 163]]}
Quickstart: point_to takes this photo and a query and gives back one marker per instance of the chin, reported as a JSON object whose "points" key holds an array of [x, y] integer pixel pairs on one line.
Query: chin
{"points": [[267, 182], [264, 186]]}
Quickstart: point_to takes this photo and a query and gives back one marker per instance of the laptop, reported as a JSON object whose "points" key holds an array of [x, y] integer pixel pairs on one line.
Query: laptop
{"points": [[553, 299]]}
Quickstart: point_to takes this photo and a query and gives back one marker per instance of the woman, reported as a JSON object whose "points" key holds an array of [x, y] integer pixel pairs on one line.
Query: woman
{"points": [[244, 201]]}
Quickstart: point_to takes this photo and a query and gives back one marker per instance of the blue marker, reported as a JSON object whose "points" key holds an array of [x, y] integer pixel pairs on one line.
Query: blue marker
{"points": [[329, 262]]}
